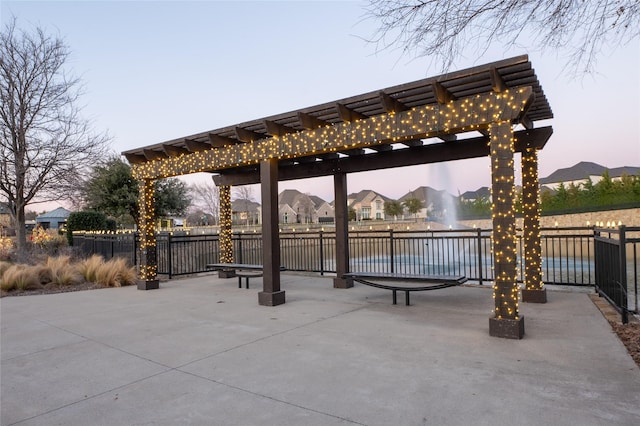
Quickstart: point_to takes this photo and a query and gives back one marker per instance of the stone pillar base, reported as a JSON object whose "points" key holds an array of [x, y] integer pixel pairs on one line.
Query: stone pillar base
{"points": [[148, 285], [507, 328], [227, 274], [271, 299], [342, 283], [534, 296]]}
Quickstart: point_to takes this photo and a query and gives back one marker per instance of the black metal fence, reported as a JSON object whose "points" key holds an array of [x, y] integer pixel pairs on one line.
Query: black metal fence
{"points": [[569, 254], [613, 279]]}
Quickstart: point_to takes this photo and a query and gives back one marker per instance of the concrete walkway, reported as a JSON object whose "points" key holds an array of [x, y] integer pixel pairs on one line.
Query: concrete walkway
{"points": [[200, 351]]}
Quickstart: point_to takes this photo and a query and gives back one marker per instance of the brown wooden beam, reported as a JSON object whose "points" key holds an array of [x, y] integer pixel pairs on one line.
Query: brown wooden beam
{"points": [[245, 135], [153, 155], [271, 294], [349, 115], [218, 141], [311, 122], [497, 83], [353, 152], [342, 231], [426, 154], [174, 151], [276, 129], [391, 104], [413, 143], [135, 158], [195, 146], [448, 137], [441, 93], [382, 147]]}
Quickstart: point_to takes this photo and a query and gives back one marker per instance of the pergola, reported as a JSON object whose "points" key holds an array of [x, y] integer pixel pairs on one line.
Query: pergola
{"points": [[488, 110]]}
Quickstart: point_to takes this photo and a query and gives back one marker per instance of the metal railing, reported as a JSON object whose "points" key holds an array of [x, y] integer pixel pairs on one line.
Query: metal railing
{"points": [[568, 254], [614, 280]]}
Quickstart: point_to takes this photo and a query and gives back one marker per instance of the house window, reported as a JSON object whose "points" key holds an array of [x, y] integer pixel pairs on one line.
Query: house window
{"points": [[378, 215], [378, 204], [366, 212]]}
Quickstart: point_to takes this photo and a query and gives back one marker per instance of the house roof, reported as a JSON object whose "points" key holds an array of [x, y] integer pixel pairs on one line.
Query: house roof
{"points": [[360, 196], [58, 213], [425, 193], [483, 192], [585, 169]]}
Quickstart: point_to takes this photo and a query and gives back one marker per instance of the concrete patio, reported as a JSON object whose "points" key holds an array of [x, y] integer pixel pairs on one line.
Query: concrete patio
{"points": [[201, 351]]}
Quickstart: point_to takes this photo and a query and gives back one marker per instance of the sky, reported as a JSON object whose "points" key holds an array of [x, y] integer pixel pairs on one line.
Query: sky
{"points": [[159, 70]]}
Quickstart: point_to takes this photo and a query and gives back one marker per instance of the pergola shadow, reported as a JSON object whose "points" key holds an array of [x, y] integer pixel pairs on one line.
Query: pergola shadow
{"points": [[488, 110]]}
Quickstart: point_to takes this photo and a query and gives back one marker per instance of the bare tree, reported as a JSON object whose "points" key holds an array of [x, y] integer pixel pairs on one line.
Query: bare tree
{"points": [[243, 195], [443, 29], [45, 143], [206, 198]]}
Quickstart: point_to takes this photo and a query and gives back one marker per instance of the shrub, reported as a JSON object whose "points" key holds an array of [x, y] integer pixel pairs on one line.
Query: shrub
{"points": [[115, 273], [85, 221], [6, 245], [19, 277], [89, 267], [63, 273]]}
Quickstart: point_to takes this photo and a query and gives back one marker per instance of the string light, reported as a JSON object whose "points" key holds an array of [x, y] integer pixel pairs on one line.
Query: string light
{"points": [[531, 221], [505, 289]]}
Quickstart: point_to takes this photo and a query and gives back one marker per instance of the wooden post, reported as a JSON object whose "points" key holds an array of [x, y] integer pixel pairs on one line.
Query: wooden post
{"points": [[534, 291], [271, 295], [147, 227], [342, 231], [506, 322]]}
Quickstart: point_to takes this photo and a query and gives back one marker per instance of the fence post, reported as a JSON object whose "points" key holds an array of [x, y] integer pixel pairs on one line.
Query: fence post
{"points": [[321, 253], [623, 274], [392, 251], [479, 251], [169, 262], [240, 248]]}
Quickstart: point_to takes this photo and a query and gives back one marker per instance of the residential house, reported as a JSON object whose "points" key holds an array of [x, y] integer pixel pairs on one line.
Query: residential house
{"points": [[5, 216], [581, 172], [246, 212], [435, 204], [54, 219], [479, 194], [368, 204], [296, 207]]}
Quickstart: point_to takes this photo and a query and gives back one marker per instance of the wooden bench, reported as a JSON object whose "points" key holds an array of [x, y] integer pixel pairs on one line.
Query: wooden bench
{"points": [[412, 282], [241, 270]]}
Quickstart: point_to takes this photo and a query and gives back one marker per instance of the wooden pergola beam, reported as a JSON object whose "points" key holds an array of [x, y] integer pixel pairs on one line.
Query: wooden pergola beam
{"points": [[347, 114], [174, 151], [246, 135], [497, 82], [135, 158], [391, 104], [442, 94], [153, 155], [195, 146], [217, 141], [276, 129], [311, 122], [426, 154]]}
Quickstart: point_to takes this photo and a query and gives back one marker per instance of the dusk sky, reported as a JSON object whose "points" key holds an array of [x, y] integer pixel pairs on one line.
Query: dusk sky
{"points": [[157, 70]]}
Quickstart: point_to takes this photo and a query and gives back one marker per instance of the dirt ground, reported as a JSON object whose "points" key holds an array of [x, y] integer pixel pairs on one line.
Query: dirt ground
{"points": [[629, 334]]}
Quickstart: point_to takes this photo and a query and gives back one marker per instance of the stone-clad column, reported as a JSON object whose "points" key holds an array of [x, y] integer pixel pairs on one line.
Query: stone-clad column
{"points": [[506, 321], [534, 290], [271, 295], [226, 244], [147, 229]]}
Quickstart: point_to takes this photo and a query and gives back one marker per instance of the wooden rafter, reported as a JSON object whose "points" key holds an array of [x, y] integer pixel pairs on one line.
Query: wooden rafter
{"points": [[276, 129], [442, 94], [174, 151], [391, 104], [311, 122], [347, 114], [153, 155], [497, 83], [246, 135], [195, 146], [135, 158], [218, 141]]}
